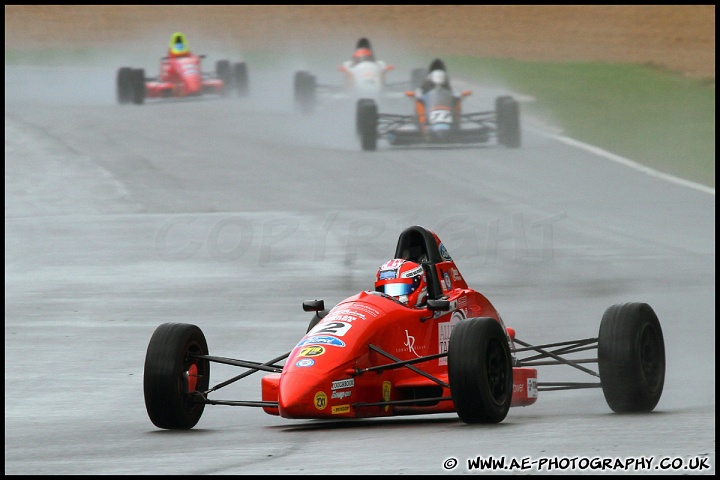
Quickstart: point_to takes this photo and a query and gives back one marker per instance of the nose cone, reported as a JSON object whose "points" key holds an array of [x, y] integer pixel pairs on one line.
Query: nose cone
{"points": [[440, 132], [301, 395], [193, 82]]}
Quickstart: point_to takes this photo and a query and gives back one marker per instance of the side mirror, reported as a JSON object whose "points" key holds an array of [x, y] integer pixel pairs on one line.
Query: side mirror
{"points": [[438, 305], [313, 305]]}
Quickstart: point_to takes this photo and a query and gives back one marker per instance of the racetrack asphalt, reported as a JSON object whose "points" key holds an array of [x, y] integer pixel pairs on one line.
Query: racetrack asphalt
{"points": [[228, 213]]}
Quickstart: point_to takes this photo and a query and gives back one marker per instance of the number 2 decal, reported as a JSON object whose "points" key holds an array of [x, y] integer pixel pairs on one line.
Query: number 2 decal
{"points": [[333, 328], [440, 116]]}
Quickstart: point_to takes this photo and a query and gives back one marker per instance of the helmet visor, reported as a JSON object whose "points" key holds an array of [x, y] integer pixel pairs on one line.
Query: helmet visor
{"points": [[397, 289]]}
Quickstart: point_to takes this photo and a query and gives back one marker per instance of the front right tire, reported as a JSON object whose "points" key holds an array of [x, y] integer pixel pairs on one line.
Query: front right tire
{"points": [[507, 111], [631, 357], [366, 123]]}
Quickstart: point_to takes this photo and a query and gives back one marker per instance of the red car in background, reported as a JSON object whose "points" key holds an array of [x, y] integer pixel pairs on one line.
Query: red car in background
{"points": [[181, 77]]}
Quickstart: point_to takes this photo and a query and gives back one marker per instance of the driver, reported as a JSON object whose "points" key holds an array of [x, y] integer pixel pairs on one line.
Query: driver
{"points": [[363, 52], [404, 280], [178, 45], [437, 76]]}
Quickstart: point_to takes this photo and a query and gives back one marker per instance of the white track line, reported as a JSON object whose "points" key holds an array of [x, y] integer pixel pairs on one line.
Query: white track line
{"points": [[629, 163]]}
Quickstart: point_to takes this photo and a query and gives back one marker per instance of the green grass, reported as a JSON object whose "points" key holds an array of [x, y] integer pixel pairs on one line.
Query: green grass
{"points": [[657, 118]]}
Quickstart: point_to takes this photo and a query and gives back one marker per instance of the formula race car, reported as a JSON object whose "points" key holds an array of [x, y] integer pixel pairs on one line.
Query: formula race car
{"points": [[181, 77], [364, 77], [438, 119], [374, 356]]}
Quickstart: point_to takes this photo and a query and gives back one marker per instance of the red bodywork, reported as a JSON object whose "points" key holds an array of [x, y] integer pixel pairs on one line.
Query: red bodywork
{"points": [[182, 77], [329, 373]]}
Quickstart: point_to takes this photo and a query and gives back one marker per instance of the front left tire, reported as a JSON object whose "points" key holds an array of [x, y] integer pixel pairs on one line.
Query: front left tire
{"points": [[480, 370], [173, 377]]}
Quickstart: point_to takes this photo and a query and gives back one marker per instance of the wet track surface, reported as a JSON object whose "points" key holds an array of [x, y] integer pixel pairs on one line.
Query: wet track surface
{"points": [[228, 213]]}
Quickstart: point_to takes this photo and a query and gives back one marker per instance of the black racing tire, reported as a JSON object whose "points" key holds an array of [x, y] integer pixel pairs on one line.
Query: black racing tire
{"points": [[222, 72], [507, 110], [304, 86], [631, 357], [122, 85], [359, 106], [480, 370], [367, 122], [240, 79], [137, 88], [171, 378], [417, 77]]}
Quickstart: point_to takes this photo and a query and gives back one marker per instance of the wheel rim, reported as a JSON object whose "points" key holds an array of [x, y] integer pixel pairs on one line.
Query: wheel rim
{"points": [[497, 372], [191, 377], [651, 357]]}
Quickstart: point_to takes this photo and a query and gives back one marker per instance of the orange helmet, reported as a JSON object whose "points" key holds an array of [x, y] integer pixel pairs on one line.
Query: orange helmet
{"points": [[363, 54], [404, 280]]}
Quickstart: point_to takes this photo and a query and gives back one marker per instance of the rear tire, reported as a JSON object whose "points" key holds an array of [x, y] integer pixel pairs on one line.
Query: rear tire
{"points": [[507, 110], [631, 357], [122, 85], [222, 71], [137, 85], [240, 78], [304, 92], [480, 370], [366, 123], [171, 378]]}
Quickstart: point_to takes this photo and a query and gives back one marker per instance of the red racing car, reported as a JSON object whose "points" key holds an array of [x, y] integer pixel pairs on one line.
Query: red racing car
{"points": [[374, 356], [181, 77]]}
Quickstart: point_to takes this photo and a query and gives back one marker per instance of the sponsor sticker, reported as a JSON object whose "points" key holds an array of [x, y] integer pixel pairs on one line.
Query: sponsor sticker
{"points": [[347, 383], [387, 274], [340, 409], [444, 331], [305, 362], [444, 253], [321, 340], [413, 272], [313, 351], [320, 400], [532, 391], [341, 394], [386, 388]]}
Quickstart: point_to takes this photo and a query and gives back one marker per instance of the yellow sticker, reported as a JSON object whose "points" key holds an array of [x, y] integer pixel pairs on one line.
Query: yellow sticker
{"points": [[313, 351], [320, 400], [340, 409], [386, 393]]}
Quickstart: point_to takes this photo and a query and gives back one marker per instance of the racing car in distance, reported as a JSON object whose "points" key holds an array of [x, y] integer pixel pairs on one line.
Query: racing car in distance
{"points": [[364, 77], [181, 77], [373, 356], [438, 119], [438, 116]]}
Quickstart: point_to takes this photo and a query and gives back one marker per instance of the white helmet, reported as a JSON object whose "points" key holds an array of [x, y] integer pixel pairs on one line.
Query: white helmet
{"points": [[438, 77]]}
